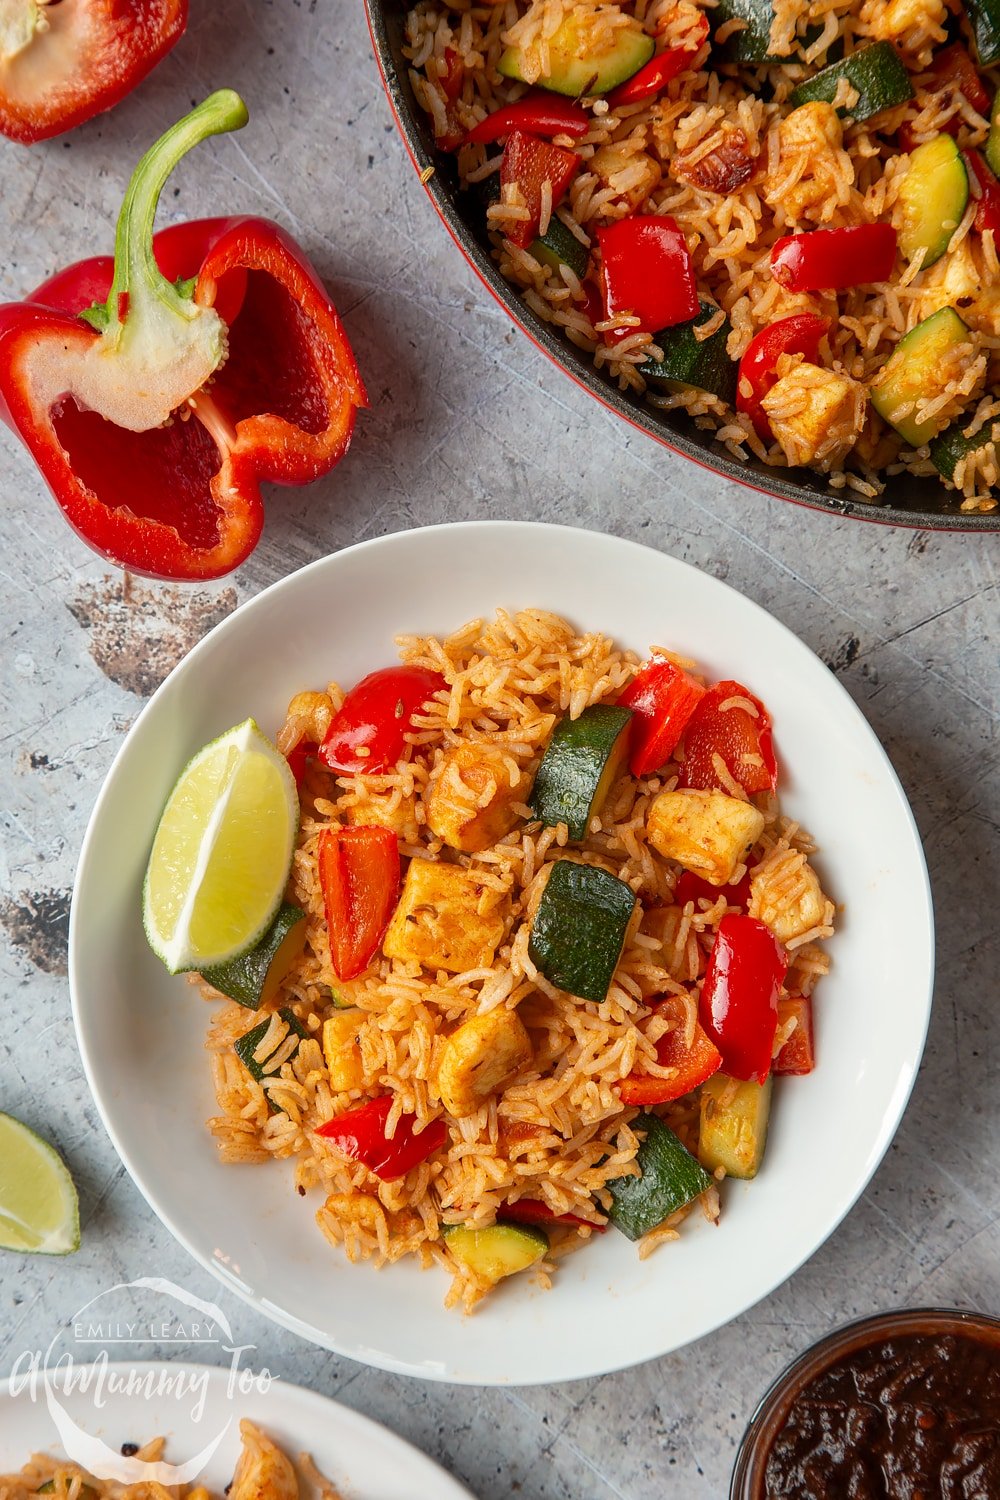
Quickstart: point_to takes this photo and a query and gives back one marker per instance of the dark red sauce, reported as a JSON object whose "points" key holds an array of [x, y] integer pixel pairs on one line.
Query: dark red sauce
{"points": [[908, 1416]]}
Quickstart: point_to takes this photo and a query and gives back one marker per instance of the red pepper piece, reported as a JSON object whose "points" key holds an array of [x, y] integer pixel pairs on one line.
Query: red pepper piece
{"points": [[299, 759], [693, 1064], [359, 875], [799, 334], [658, 72], [691, 887], [988, 206], [534, 1211], [451, 79], [78, 59], [360, 1134], [539, 113], [646, 270], [662, 698], [530, 163], [953, 67], [833, 259], [743, 740], [368, 731], [739, 996], [155, 414], [798, 1055]]}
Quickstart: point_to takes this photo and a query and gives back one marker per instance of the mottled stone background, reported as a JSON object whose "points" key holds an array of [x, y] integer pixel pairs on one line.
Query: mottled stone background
{"points": [[468, 421]]}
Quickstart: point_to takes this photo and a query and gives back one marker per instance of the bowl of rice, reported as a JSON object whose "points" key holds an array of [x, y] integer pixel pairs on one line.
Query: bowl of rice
{"points": [[249, 1166], [779, 153]]}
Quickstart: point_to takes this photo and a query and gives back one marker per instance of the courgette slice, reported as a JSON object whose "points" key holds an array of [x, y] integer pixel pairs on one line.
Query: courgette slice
{"points": [[558, 247], [913, 371], [992, 148], [253, 978], [579, 929], [573, 72], [501, 1250], [670, 1177], [984, 18], [752, 43], [686, 362], [582, 760], [876, 74], [952, 447], [932, 196], [248, 1043], [733, 1129]]}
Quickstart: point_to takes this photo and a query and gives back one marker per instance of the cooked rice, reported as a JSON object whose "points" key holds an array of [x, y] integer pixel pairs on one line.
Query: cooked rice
{"points": [[646, 157], [557, 1133]]}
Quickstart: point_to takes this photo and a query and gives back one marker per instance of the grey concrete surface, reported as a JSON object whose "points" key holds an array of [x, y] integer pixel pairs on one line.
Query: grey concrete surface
{"points": [[468, 421]]}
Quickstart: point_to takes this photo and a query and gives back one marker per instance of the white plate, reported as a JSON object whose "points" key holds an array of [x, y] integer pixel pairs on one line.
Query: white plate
{"points": [[361, 1458], [141, 1032]]}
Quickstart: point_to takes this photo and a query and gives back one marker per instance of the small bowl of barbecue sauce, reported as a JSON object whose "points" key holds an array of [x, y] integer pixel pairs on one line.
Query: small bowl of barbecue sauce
{"points": [[902, 1404]]}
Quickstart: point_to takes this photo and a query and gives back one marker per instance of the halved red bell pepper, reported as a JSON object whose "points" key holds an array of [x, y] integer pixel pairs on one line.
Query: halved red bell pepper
{"points": [[360, 1135], [538, 112], [658, 72], [534, 1211], [833, 259], [662, 698], [530, 163], [799, 334], [744, 741], [693, 1064], [359, 876], [798, 1055], [988, 204], [646, 270], [367, 733], [155, 391], [63, 61], [739, 995]]}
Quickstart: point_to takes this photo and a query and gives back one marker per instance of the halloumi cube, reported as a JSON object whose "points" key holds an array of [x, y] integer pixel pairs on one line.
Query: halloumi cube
{"points": [[341, 1050], [437, 922], [476, 1061], [816, 414], [469, 804], [792, 906], [706, 832]]}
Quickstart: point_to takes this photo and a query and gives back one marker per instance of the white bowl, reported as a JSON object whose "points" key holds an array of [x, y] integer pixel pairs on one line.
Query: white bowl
{"points": [[369, 1461], [141, 1032]]}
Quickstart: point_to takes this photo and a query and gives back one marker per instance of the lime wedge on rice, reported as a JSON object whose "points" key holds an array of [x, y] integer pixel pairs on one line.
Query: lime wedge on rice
{"points": [[39, 1211], [222, 852]]}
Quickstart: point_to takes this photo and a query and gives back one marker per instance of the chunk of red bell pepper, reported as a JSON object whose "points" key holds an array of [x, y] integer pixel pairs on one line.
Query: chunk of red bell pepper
{"points": [[359, 877], [692, 887], [300, 759], [953, 67], [368, 731], [658, 72], [798, 1055], [834, 259], [988, 202], [799, 334], [71, 61], [530, 163], [647, 271], [662, 698], [213, 359], [692, 1064], [534, 1211], [361, 1135], [739, 995], [723, 725], [538, 112]]}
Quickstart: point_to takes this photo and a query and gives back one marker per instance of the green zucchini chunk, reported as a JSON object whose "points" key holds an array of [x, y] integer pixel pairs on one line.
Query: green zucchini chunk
{"points": [[572, 72], [686, 362], [992, 149], [670, 1178], [253, 978], [876, 73], [912, 372], [948, 450], [733, 1130], [579, 929], [933, 196], [579, 766], [752, 44], [984, 18], [558, 247], [501, 1250], [251, 1040]]}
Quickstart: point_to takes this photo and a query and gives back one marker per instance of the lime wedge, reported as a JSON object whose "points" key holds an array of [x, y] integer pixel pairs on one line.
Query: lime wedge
{"points": [[222, 852], [39, 1211]]}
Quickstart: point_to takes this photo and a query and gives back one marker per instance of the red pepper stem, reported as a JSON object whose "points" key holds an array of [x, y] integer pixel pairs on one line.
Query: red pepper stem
{"points": [[137, 275]]}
